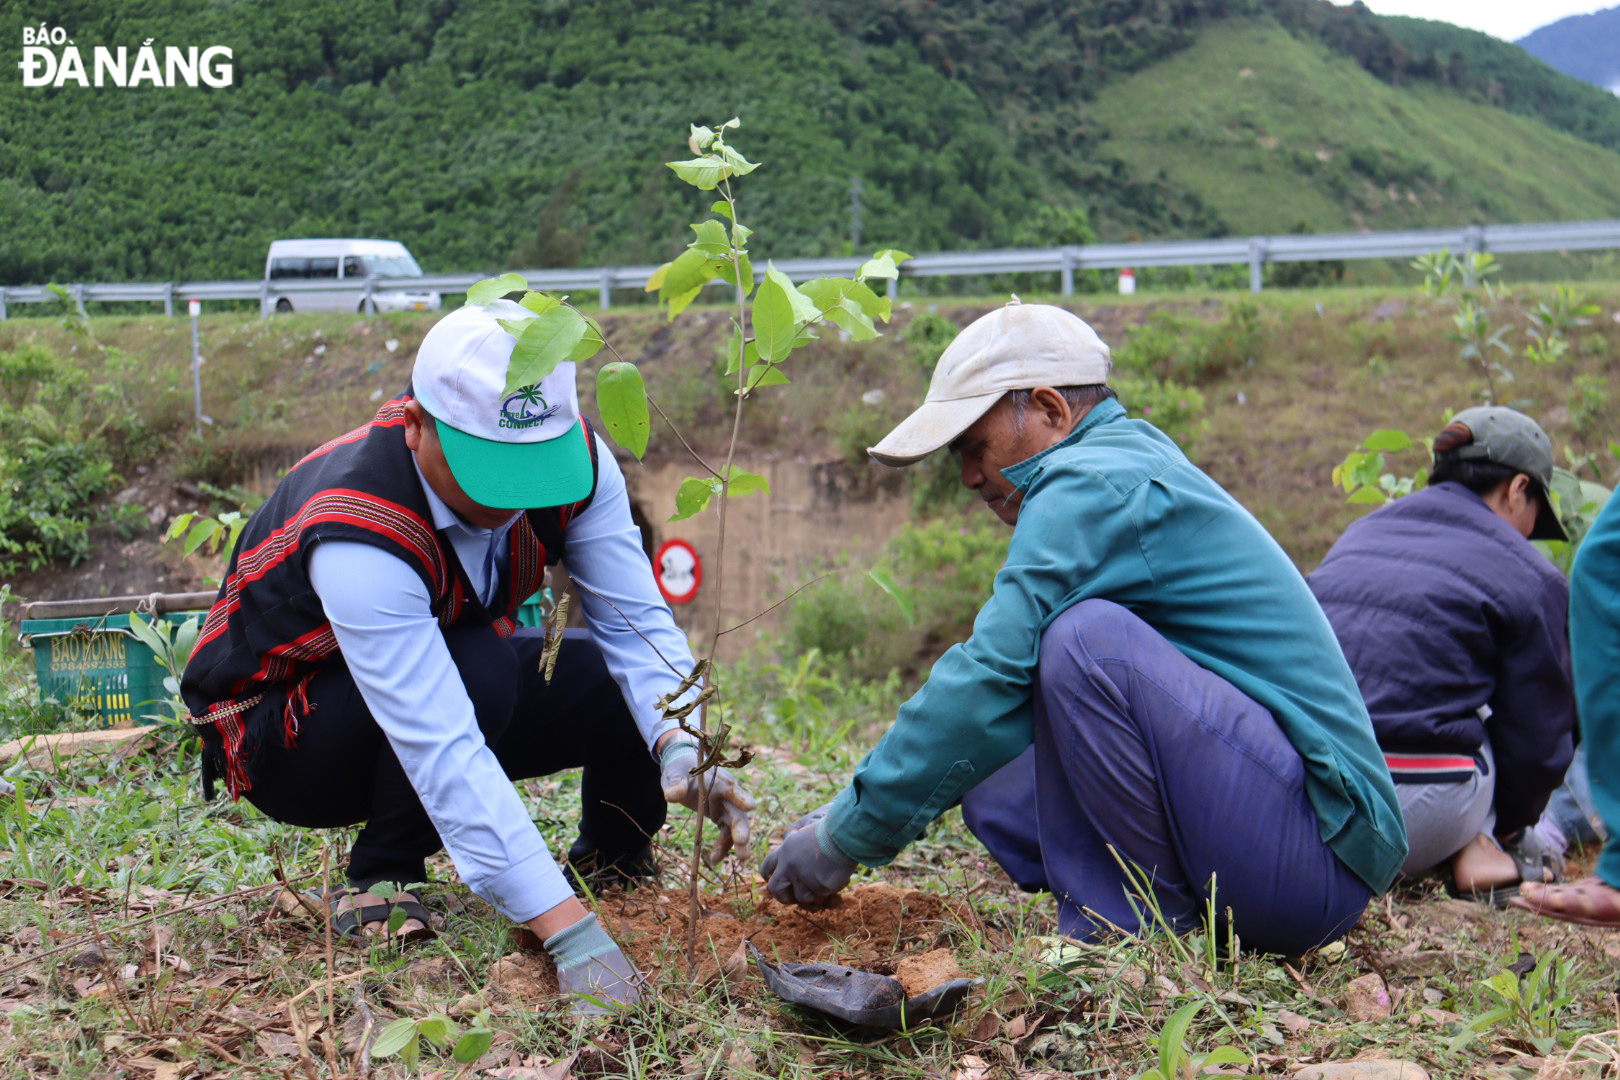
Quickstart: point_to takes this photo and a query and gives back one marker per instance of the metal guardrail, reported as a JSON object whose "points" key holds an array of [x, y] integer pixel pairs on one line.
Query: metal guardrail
{"points": [[1255, 251]]}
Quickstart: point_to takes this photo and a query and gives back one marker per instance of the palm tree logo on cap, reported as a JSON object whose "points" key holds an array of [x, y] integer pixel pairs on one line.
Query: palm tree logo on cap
{"points": [[526, 408]]}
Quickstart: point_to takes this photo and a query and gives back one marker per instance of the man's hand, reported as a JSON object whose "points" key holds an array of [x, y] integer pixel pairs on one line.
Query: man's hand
{"points": [[806, 868], [728, 806], [592, 970]]}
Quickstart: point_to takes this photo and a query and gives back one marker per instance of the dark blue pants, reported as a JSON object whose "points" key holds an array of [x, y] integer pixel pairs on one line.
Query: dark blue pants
{"points": [[343, 772], [1139, 750]]}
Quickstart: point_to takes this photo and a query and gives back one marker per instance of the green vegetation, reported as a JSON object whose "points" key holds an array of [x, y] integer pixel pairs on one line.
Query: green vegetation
{"points": [[505, 133], [1274, 130]]}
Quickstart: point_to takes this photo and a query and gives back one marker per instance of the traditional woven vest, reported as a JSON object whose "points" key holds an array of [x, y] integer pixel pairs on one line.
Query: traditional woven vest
{"points": [[267, 635]]}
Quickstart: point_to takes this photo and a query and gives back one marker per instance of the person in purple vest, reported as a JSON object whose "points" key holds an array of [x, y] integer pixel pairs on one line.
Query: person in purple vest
{"points": [[1455, 626], [362, 662]]}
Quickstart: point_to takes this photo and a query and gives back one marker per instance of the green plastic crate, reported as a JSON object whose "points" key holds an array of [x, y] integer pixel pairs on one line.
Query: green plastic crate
{"points": [[98, 666]]}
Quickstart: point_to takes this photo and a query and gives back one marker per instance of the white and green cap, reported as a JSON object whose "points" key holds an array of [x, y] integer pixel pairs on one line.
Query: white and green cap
{"points": [[513, 451], [1507, 437], [1015, 347]]}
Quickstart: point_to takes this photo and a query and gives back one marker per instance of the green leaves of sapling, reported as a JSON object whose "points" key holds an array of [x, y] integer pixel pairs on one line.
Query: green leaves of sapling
{"points": [[716, 160], [543, 342], [696, 492], [486, 292], [774, 327], [621, 398], [883, 264], [693, 496]]}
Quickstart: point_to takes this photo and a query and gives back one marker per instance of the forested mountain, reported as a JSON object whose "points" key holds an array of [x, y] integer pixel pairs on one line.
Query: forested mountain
{"points": [[494, 133], [1584, 46]]}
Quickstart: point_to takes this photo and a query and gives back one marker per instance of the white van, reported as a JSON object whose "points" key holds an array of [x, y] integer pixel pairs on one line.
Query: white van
{"points": [[330, 275]]}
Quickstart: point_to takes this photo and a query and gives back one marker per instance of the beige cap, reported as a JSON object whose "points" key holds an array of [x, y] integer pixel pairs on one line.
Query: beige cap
{"points": [[1017, 347]]}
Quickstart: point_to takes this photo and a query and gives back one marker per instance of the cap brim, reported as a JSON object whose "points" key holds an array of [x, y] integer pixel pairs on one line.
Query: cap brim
{"points": [[930, 428], [519, 476], [1547, 526]]}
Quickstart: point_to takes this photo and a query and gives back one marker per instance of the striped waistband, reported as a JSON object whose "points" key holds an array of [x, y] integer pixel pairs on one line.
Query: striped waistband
{"points": [[1431, 768]]}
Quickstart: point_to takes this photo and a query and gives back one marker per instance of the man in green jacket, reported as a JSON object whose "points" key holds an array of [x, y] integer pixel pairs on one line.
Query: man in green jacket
{"points": [[1151, 693]]}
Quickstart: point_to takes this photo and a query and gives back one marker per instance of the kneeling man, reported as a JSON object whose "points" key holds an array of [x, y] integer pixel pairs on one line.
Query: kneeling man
{"points": [[1151, 685]]}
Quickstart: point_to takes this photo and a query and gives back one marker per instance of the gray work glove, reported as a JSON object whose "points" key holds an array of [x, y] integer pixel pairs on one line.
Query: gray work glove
{"points": [[592, 969], [729, 804], [806, 868]]}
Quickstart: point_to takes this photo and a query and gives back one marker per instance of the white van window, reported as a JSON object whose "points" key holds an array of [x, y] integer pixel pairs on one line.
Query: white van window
{"points": [[353, 266], [392, 265], [296, 267], [323, 268]]}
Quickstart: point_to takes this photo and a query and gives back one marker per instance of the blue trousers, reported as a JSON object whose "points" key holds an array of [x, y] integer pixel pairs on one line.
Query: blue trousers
{"points": [[1139, 750]]}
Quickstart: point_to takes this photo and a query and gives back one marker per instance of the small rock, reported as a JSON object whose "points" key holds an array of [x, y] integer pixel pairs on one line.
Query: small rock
{"points": [[874, 397], [1367, 998], [391, 344], [1384, 1069]]}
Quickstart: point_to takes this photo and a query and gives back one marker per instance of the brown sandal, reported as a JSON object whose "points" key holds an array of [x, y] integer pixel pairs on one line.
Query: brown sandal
{"points": [[1589, 902]]}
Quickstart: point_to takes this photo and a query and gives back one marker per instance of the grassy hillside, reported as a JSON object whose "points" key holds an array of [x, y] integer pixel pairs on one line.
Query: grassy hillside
{"points": [[1275, 132]]}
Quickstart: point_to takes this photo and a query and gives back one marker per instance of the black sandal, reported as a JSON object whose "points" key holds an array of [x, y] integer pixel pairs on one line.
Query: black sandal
{"points": [[350, 923]]}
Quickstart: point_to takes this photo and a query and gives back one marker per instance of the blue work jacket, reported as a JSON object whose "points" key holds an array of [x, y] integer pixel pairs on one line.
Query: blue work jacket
{"points": [[1115, 511]]}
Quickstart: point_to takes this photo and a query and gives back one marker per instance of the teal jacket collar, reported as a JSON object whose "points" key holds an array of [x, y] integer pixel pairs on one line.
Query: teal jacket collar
{"points": [[1021, 474]]}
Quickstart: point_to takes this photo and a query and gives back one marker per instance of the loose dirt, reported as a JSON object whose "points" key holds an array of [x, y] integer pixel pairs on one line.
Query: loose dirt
{"points": [[874, 927]]}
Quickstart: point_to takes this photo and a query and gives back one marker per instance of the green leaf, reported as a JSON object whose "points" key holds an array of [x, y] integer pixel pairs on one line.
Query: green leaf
{"points": [[804, 309], [746, 483], [228, 920], [178, 525], [1226, 1055], [685, 277], [711, 239], [740, 234], [765, 375], [693, 497], [740, 165], [656, 280], [394, 1037], [1367, 495], [681, 301], [1388, 440], [438, 1029], [539, 302], [621, 398], [883, 264], [848, 316], [396, 919], [473, 1045], [199, 535], [703, 173], [701, 137], [548, 340], [1171, 1050], [728, 275], [722, 208], [590, 344], [884, 581], [774, 326], [490, 290]]}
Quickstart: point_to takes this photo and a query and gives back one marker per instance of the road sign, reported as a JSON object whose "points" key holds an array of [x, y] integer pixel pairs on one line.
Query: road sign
{"points": [[679, 571]]}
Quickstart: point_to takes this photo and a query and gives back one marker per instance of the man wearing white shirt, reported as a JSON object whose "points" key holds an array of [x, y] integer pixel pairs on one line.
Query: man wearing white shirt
{"points": [[362, 662]]}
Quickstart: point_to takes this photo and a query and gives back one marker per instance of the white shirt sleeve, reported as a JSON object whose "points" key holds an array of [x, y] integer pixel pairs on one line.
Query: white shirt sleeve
{"points": [[381, 616], [604, 554]]}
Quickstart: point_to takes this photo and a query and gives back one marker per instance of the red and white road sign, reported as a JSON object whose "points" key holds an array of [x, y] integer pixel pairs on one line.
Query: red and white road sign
{"points": [[679, 571]]}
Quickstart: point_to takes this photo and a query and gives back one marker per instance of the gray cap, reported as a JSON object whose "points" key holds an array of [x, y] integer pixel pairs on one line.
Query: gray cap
{"points": [[1506, 437]]}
